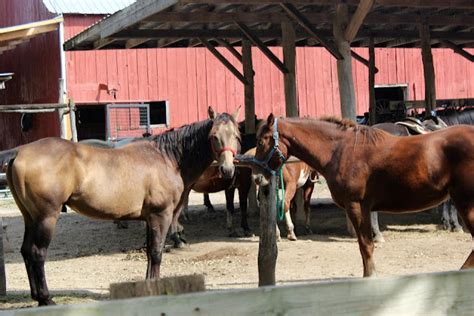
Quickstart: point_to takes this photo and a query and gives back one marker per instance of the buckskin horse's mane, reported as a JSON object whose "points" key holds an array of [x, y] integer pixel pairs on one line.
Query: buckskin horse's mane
{"points": [[183, 143]]}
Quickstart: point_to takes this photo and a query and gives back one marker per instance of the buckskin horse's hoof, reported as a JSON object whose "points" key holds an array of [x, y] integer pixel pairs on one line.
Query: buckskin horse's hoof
{"points": [[234, 234], [47, 302], [248, 233]]}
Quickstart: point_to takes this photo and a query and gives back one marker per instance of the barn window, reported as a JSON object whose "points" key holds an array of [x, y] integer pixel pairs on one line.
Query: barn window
{"points": [[159, 115]]}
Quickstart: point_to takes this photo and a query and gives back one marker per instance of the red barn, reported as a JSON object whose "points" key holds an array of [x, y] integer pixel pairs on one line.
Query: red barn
{"points": [[173, 86]]}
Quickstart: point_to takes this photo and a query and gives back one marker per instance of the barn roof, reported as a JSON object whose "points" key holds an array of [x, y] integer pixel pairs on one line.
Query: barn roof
{"points": [[86, 6], [178, 23]]}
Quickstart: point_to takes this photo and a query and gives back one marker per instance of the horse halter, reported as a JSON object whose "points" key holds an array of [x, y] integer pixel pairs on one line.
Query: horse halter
{"points": [[276, 149], [222, 150]]}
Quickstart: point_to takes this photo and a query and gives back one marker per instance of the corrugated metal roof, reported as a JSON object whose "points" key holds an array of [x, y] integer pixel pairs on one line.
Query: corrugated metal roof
{"points": [[86, 6]]}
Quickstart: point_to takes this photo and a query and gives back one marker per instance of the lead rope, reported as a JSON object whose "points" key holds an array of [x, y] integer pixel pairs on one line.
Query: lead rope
{"points": [[281, 197]]}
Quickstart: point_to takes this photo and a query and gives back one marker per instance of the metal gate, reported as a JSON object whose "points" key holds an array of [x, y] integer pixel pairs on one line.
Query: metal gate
{"points": [[127, 120]]}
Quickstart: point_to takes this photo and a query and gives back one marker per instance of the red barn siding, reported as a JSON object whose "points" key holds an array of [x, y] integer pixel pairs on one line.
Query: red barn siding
{"points": [[37, 71]]}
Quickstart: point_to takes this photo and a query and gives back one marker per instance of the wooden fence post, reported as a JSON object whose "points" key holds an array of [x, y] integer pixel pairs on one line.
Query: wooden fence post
{"points": [[3, 281], [267, 250], [72, 116]]}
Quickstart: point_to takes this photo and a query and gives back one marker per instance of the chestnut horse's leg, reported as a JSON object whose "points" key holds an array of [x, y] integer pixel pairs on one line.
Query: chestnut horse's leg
{"points": [[229, 199], [290, 191], [157, 228], [307, 192], [207, 203], [378, 237], [361, 221]]}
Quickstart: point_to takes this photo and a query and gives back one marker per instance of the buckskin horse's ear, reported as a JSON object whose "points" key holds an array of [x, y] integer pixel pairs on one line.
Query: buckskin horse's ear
{"points": [[270, 120], [236, 113], [211, 113]]}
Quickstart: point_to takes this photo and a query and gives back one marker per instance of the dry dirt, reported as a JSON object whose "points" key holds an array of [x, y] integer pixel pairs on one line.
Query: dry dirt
{"points": [[86, 255]]}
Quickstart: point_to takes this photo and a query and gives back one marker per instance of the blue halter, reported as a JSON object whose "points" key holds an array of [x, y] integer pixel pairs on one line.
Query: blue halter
{"points": [[276, 149]]}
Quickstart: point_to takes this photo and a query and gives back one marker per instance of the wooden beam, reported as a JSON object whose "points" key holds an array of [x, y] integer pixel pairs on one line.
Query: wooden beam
{"points": [[44, 106], [101, 43], [464, 4], [249, 88], [223, 60], [428, 69], [293, 12], [265, 50], [289, 79], [458, 50], [313, 18], [372, 72], [267, 247], [344, 65], [230, 48], [3, 279], [357, 19], [362, 60]]}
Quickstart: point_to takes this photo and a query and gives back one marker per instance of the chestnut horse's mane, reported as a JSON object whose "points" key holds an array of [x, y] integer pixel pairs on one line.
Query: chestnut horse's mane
{"points": [[367, 133]]}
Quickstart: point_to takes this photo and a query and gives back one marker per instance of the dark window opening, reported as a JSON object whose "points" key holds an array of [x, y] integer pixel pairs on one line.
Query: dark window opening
{"points": [[90, 122], [158, 114]]}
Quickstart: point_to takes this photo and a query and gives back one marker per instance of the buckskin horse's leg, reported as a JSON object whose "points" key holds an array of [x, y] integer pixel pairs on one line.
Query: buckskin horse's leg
{"points": [[26, 254], [42, 234], [229, 199], [157, 228], [244, 189], [361, 221]]}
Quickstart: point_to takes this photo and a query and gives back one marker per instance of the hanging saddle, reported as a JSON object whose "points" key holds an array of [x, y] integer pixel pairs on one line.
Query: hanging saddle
{"points": [[417, 127]]}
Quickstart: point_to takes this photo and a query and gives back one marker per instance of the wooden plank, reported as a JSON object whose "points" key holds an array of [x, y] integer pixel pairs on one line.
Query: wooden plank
{"points": [[293, 12], [357, 19], [362, 60], [289, 58], [257, 42], [249, 87], [3, 279], [344, 66], [72, 117], [267, 246], [164, 286], [447, 293], [231, 48], [38, 106], [223, 60], [428, 69], [372, 72], [458, 50]]}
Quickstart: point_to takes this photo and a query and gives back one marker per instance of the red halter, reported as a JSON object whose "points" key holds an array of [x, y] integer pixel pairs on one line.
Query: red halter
{"points": [[223, 149]]}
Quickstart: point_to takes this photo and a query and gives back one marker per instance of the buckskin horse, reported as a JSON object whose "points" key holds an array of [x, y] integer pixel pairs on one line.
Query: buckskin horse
{"points": [[370, 170], [145, 180]]}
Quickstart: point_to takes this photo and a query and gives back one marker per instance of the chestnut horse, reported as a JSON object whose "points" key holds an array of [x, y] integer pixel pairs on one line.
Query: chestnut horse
{"points": [[144, 180], [370, 170]]}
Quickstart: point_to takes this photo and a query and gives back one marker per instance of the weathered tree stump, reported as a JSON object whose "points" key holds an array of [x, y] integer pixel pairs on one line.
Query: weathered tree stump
{"points": [[165, 286]]}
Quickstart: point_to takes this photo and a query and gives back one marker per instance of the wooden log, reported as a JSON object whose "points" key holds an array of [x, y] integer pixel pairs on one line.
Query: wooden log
{"points": [[267, 247], [165, 286], [344, 66], [428, 69], [249, 87], [72, 117], [3, 279], [357, 19], [289, 59], [447, 293], [372, 72]]}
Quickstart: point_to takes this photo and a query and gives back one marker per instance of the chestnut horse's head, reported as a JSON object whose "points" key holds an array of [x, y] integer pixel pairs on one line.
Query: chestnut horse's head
{"points": [[271, 153], [225, 140]]}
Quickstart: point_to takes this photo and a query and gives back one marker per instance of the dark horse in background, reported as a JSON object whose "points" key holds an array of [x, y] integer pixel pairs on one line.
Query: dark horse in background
{"points": [[145, 180], [369, 170]]}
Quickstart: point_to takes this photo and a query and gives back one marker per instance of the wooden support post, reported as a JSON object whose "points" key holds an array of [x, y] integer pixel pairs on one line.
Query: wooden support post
{"points": [[223, 60], [362, 60], [372, 112], [248, 87], [3, 280], [428, 69], [72, 116], [289, 59], [357, 19], [165, 286], [344, 66], [267, 248]]}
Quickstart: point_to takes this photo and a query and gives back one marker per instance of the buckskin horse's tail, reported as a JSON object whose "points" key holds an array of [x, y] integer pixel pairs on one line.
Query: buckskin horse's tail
{"points": [[5, 157]]}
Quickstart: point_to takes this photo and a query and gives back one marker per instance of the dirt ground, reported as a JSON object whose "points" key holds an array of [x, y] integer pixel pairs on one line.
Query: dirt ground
{"points": [[87, 255]]}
